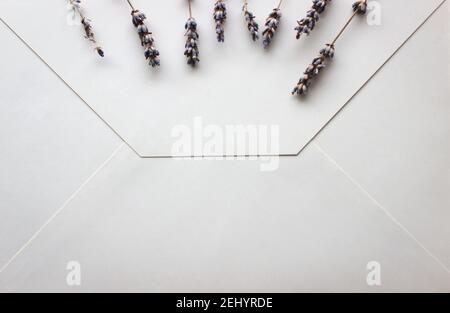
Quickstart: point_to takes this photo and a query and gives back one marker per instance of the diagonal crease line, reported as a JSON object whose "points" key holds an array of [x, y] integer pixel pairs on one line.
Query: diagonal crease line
{"points": [[70, 87], [371, 77], [381, 207], [279, 155], [62, 207]]}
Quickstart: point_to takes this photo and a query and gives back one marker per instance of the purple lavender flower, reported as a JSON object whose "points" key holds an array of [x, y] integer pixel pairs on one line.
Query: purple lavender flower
{"points": [[313, 70], [360, 7], [147, 41], [220, 16], [191, 47], [307, 24], [271, 26], [252, 25]]}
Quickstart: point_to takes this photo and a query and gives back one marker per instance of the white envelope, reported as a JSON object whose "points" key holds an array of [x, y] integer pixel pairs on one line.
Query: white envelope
{"points": [[75, 193]]}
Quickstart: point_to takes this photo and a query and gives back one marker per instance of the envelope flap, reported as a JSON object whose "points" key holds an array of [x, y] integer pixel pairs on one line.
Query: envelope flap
{"points": [[237, 82]]}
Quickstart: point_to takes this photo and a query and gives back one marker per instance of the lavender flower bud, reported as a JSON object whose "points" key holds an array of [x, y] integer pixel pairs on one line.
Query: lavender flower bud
{"points": [[138, 18], [87, 26], [360, 7], [75, 3], [328, 51], [100, 51]]}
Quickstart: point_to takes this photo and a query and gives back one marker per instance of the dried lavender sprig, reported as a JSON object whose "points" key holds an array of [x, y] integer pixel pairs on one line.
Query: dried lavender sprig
{"points": [[87, 25], [220, 16], [271, 25], [327, 53], [146, 37], [313, 70], [359, 8], [191, 47], [307, 24], [252, 25]]}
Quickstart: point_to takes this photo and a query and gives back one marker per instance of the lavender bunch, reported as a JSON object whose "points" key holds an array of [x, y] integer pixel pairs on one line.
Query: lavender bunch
{"points": [[147, 41], [220, 16], [307, 24], [191, 48], [252, 25], [271, 26], [313, 70], [87, 25], [327, 53]]}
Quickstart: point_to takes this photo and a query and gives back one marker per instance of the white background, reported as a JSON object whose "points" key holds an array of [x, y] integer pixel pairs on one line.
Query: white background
{"points": [[372, 186]]}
